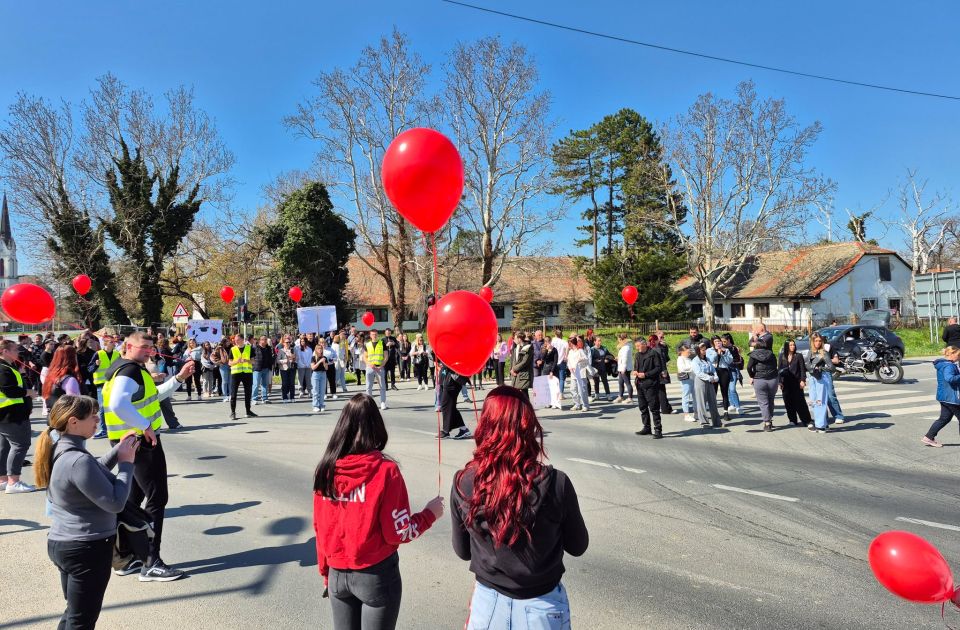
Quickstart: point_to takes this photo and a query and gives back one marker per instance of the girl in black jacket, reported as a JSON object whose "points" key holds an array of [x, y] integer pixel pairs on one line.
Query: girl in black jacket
{"points": [[762, 368], [793, 378]]}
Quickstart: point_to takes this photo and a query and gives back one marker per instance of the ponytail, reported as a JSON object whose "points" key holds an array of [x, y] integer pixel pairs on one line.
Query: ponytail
{"points": [[44, 459]]}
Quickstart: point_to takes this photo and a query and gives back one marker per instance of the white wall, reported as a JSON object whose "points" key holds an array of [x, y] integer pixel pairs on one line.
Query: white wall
{"points": [[846, 295]]}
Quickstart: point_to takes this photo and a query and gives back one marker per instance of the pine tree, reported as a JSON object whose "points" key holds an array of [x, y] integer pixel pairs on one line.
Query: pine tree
{"points": [[527, 314]]}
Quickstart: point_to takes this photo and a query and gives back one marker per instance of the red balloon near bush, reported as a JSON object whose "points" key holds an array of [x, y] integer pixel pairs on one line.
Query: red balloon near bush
{"points": [[423, 177], [295, 293], [81, 284], [487, 294], [462, 329], [368, 319], [630, 294], [226, 293], [28, 304], [909, 566]]}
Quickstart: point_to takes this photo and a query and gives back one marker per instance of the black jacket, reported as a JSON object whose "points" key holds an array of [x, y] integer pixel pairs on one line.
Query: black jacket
{"points": [[526, 569], [10, 389], [951, 335], [549, 362], [793, 371], [651, 364], [261, 358], [762, 364]]}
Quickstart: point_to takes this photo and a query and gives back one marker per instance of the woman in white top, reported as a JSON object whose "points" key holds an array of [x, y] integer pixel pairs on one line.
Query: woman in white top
{"points": [[304, 355], [339, 347], [210, 370], [501, 351], [577, 363], [685, 376], [356, 350], [624, 367], [418, 355]]}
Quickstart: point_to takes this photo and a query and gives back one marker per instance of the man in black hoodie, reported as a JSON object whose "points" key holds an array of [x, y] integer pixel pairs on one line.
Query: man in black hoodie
{"points": [[647, 367]]}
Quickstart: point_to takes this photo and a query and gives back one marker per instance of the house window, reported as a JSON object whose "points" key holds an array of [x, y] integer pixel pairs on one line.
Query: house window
{"points": [[499, 310], [884, 269], [718, 310], [380, 316], [796, 307], [869, 304], [894, 304], [738, 310], [761, 309], [551, 310], [696, 310]]}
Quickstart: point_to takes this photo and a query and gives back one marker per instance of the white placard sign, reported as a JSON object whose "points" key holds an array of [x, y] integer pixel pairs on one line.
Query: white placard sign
{"points": [[201, 330], [317, 319], [540, 393]]}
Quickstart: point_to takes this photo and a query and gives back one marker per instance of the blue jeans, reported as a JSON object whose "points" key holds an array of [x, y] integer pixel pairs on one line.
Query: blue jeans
{"points": [[102, 425], [225, 377], [490, 610], [832, 403], [732, 395], [342, 379], [319, 382], [686, 398], [562, 373], [260, 380], [819, 393]]}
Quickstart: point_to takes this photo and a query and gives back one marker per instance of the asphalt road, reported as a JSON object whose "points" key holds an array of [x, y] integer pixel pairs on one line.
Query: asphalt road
{"points": [[732, 529]]}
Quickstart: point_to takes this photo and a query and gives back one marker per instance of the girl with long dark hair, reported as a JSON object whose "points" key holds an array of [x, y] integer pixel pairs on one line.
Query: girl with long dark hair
{"points": [[513, 519], [361, 515], [793, 379]]}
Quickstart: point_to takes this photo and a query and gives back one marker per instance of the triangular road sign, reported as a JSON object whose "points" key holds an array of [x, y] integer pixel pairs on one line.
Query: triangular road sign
{"points": [[181, 311]]}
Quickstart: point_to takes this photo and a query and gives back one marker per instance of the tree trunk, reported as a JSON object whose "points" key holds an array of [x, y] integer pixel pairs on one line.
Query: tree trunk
{"points": [[487, 267], [150, 296], [709, 303], [402, 258]]}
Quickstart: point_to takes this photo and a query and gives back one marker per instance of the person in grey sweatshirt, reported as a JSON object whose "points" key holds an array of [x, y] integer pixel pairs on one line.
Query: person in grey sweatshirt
{"points": [[85, 498]]}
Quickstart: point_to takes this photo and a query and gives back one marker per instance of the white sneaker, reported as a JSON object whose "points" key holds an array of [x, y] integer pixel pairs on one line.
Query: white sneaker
{"points": [[316, 410], [731, 409], [618, 400], [688, 417], [334, 397], [383, 406], [19, 488]]}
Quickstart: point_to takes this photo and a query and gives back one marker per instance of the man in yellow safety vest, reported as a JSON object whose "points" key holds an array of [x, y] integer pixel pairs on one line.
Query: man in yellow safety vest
{"points": [[132, 401], [241, 373], [102, 360], [373, 357]]}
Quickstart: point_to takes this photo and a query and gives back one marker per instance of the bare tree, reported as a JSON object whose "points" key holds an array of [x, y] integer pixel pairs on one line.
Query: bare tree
{"points": [[355, 115], [925, 220], [744, 181], [501, 127]]}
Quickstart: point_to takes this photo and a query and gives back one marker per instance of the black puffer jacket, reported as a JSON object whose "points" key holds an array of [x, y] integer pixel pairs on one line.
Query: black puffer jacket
{"points": [[762, 364]]}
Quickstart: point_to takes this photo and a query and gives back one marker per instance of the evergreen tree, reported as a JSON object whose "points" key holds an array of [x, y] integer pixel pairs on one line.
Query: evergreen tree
{"points": [[311, 245], [653, 272], [527, 314]]}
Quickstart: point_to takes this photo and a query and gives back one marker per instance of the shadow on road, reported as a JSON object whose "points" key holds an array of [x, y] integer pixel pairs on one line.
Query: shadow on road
{"points": [[208, 509], [207, 458], [26, 526], [203, 427], [860, 426], [198, 476]]}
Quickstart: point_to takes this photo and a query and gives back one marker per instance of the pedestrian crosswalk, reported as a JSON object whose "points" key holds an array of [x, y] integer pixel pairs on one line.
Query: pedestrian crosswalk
{"points": [[859, 397]]}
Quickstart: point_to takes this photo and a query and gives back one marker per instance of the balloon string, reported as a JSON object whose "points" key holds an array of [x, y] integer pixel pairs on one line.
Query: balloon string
{"points": [[943, 610], [473, 396], [436, 380], [436, 277]]}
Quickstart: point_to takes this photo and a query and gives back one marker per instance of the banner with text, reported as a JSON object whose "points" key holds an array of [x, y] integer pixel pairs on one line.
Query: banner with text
{"points": [[316, 319]]}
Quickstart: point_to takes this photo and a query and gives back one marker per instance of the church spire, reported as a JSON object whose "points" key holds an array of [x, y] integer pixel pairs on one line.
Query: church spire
{"points": [[6, 234]]}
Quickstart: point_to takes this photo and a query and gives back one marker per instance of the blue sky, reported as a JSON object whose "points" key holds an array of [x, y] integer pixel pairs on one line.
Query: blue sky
{"points": [[251, 62]]}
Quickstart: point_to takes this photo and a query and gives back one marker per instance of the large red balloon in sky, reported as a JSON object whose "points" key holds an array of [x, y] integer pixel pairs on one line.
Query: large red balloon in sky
{"points": [[295, 293], [226, 293], [630, 294], [28, 304], [909, 566], [81, 284], [423, 177], [462, 329]]}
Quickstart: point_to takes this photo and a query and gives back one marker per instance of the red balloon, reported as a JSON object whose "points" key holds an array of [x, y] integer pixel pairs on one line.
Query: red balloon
{"points": [[487, 294], [28, 304], [462, 329], [295, 293], [630, 294], [909, 566], [81, 284], [423, 176], [368, 319], [226, 293]]}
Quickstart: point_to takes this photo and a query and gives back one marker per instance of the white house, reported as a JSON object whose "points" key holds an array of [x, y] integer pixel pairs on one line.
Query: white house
{"points": [[791, 289]]}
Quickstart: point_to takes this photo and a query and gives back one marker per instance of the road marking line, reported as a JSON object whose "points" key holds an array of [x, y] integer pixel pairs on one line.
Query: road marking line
{"points": [[430, 433], [917, 521], [606, 465], [755, 493], [879, 394], [886, 401]]}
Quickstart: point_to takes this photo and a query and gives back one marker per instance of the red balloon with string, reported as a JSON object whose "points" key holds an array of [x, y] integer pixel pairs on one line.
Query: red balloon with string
{"points": [[630, 294], [422, 175], [81, 284], [909, 566], [28, 303], [226, 293], [295, 293], [368, 319], [462, 328], [487, 294]]}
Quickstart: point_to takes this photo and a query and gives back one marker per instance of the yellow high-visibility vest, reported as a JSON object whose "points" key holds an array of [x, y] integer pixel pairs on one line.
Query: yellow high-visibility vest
{"points": [[148, 407], [106, 360], [9, 402], [375, 352], [241, 368]]}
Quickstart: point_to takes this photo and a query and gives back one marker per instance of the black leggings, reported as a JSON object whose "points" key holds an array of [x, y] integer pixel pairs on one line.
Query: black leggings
{"points": [[420, 371], [366, 598], [84, 573], [195, 379], [723, 382], [359, 375]]}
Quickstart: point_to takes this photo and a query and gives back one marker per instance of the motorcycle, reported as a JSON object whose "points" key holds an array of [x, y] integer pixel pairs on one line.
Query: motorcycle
{"points": [[879, 359]]}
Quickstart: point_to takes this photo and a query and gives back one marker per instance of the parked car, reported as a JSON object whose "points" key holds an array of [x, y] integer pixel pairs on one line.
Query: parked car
{"points": [[872, 327]]}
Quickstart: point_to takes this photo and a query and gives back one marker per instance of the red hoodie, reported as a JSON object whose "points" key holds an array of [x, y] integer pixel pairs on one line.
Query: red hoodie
{"points": [[369, 518]]}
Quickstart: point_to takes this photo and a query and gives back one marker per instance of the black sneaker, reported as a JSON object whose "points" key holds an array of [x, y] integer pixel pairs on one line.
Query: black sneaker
{"points": [[250, 414], [442, 435], [160, 572], [644, 431], [133, 566], [233, 416], [463, 434], [657, 435]]}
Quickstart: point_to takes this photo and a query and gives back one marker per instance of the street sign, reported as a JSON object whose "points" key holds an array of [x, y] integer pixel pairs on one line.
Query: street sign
{"points": [[180, 314]]}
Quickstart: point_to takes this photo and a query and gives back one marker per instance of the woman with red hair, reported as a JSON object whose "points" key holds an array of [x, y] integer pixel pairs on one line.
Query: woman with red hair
{"points": [[513, 519], [63, 375]]}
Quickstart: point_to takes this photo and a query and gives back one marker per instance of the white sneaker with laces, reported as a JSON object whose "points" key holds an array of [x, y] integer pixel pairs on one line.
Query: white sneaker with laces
{"points": [[316, 410], [383, 406], [18, 487]]}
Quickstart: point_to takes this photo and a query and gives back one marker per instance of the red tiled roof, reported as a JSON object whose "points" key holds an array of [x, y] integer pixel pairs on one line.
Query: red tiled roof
{"points": [[804, 272]]}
